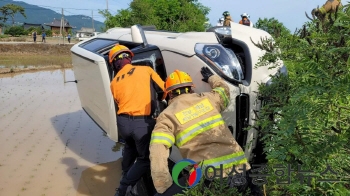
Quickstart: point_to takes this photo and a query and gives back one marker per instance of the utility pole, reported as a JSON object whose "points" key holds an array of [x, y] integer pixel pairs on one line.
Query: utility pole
{"points": [[92, 12], [64, 30], [107, 5], [59, 37]]}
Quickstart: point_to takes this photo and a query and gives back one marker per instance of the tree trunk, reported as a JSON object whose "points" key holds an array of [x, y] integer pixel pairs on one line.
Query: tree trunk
{"points": [[13, 20]]}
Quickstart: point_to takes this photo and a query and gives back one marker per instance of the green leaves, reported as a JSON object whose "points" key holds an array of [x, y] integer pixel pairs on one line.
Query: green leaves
{"points": [[171, 15], [9, 10], [315, 126]]}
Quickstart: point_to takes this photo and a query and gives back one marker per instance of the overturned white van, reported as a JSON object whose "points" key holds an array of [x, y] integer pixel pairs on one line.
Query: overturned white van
{"points": [[166, 51]]}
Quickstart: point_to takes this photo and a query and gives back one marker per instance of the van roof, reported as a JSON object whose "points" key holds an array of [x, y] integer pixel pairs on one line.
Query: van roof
{"points": [[184, 43], [177, 42]]}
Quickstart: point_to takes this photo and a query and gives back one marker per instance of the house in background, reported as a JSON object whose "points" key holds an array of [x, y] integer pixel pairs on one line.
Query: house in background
{"points": [[26, 26], [85, 32], [55, 26]]}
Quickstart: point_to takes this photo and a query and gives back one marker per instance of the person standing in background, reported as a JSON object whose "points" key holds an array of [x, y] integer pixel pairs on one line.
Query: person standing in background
{"points": [[34, 36], [245, 20], [43, 36], [227, 19], [220, 22]]}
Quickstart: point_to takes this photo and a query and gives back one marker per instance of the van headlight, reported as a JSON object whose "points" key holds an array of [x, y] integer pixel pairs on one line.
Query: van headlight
{"points": [[223, 30], [221, 60]]}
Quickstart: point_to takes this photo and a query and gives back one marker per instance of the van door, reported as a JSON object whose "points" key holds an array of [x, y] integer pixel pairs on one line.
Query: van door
{"points": [[93, 84]]}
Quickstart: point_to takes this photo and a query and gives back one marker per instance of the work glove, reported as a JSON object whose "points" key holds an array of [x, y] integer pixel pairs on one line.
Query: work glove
{"points": [[206, 73]]}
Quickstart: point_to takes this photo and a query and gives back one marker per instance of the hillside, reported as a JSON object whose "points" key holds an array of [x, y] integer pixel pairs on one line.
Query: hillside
{"points": [[40, 15]]}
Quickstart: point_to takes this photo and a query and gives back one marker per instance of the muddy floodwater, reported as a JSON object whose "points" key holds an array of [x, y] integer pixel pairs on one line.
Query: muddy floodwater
{"points": [[48, 145]]}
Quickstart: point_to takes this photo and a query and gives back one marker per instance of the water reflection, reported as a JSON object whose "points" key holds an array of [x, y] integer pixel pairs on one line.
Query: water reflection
{"points": [[46, 138], [101, 179]]}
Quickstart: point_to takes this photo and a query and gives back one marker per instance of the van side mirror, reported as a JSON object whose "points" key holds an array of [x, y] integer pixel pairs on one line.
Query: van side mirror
{"points": [[138, 35]]}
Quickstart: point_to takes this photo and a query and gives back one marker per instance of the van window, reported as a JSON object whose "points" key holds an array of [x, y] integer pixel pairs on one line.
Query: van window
{"points": [[152, 58], [97, 44]]}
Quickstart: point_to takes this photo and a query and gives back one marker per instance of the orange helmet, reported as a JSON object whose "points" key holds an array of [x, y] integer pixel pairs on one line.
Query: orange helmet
{"points": [[176, 80], [118, 49]]}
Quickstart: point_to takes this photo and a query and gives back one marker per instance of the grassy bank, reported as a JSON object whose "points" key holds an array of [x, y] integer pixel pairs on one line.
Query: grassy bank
{"points": [[34, 49], [51, 40], [14, 60], [23, 57]]}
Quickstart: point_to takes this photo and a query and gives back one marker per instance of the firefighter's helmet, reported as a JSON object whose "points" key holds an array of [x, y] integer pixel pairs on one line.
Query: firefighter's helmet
{"points": [[245, 15], [176, 80], [226, 13], [119, 51]]}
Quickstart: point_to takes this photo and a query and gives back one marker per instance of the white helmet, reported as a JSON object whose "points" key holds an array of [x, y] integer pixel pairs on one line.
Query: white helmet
{"points": [[245, 15]]}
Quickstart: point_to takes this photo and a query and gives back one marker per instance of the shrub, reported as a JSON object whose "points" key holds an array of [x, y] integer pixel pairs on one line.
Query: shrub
{"points": [[306, 117], [305, 120], [48, 32], [15, 31], [30, 30]]}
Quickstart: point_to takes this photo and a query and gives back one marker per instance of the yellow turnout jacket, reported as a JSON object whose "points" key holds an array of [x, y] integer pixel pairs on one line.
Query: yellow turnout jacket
{"points": [[194, 124]]}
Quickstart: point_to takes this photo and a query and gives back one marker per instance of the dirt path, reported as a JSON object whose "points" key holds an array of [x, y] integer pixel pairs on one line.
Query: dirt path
{"points": [[48, 145]]}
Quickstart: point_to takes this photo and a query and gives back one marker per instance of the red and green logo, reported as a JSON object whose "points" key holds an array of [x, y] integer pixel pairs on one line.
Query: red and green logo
{"points": [[195, 175]]}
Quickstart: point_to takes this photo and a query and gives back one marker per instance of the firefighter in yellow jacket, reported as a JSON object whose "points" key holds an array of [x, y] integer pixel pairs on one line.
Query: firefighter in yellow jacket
{"points": [[329, 7], [194, 124], [227, 19]]}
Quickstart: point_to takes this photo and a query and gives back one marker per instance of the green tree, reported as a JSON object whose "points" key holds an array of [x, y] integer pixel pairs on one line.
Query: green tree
{"points": [[272, 26], [15, 31], [306, 117], [30, 30], [10, 10], [172, 15]]}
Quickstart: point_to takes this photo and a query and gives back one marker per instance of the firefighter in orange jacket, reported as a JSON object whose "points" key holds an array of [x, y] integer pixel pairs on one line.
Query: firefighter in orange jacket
{"points": [[329, 7], [245, 20], [194, 124], [134, 117]]}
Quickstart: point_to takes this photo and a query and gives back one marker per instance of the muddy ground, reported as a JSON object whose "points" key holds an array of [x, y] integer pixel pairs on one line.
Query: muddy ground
{"points": [[48, 145]]}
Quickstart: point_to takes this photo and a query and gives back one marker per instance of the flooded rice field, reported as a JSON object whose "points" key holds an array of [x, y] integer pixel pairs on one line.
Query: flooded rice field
{"points": [[48, 145]]}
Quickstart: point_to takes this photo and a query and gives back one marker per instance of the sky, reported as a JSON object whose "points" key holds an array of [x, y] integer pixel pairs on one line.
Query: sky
{"points": [[290, 12]]}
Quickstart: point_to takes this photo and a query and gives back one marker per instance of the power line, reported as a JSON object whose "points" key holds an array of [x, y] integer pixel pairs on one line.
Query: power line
{"points": [[46, 6]]}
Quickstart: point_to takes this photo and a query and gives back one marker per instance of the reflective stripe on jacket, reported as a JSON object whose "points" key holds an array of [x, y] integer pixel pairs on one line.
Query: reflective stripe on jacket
{"points": [[133, 89], [194, 124]]}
